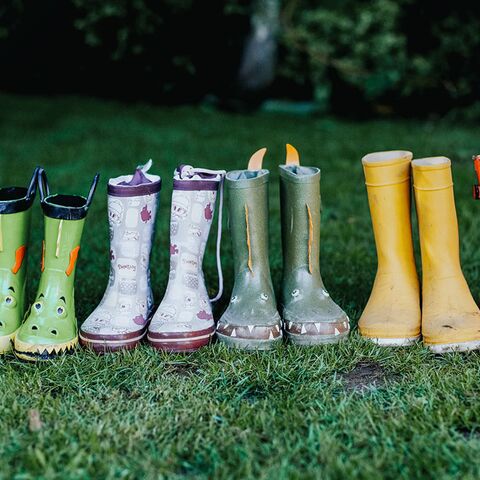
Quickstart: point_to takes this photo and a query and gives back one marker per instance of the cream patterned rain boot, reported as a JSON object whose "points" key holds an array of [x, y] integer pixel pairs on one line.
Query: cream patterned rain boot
{"points": [[121, 319]]}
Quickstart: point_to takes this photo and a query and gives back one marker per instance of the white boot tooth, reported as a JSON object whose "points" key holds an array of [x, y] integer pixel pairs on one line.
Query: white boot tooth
{"points": [[319, 326], [271, 337], [277, 327], [304, 330], [250, 328], [337, 332], [290, 325], [234, 333]]}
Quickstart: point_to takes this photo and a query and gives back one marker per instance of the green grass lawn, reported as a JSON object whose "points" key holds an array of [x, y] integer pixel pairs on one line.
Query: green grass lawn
{"points": [[348, 411]]}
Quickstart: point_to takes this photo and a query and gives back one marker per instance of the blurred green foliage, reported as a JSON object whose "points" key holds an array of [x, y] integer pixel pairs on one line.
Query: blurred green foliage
{"points": [[390, 51], [402, 56]]}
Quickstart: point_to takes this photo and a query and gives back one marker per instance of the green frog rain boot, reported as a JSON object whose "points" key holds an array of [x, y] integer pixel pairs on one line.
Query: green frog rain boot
{"points": [[15, 215], [310, 316], [251, 320], [50, 327]]}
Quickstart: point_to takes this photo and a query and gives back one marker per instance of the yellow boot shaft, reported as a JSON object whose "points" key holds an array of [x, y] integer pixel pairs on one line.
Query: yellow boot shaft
{"points": [[449, 312], [392, 313]]}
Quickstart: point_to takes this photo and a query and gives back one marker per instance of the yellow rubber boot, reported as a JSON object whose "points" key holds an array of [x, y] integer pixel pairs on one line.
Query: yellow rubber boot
{"points": [[450, 316], [392, 316]]}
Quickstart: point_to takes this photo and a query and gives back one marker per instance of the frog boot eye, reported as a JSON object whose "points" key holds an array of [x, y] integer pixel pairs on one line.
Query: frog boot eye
{"points": [[392, 315], [184, 321], [50, 326], [15, 215], [251, 320], [310, 316], [450, 316], [121, 319]]}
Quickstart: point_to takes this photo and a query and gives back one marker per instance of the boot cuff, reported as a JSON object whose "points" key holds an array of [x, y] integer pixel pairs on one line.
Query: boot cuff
{"points": [[15, 199], [247, 178], [125, 186], [384, 159], [299, 174], [65, 207]]}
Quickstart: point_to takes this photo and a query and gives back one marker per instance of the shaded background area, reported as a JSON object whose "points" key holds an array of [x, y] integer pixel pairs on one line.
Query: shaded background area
{"points": [[350, 57]]}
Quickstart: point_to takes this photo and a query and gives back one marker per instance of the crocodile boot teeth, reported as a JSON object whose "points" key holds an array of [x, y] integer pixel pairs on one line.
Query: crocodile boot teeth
{"points": [[50, 327], [251, 320], [15, 215], [310, 316]]}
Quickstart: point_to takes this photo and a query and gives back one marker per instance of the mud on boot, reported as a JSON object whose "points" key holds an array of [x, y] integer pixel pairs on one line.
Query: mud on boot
{"points": [[50, 327], [184, 320], [450, 315], [251, 320], [310, 316], [121, 319], [15, 215]]}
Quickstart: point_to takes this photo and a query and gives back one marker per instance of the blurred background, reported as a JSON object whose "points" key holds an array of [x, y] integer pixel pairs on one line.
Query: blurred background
{"points": [[348, 57]]}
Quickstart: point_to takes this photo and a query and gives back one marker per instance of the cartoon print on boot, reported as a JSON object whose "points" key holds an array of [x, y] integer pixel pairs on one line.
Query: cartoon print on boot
{"points": [[115, 212], [180, 206], [192, 212]]}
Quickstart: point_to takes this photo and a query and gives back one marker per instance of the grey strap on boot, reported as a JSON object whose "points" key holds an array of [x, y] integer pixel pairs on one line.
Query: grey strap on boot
{"points": [[310, 316], [251, 320]]}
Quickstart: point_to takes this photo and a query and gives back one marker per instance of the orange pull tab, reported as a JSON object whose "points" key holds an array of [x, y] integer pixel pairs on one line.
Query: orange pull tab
{"points": [[43, 256], [73, 261], [293, 158], [476, 166], [256, 160], [19, 257]]}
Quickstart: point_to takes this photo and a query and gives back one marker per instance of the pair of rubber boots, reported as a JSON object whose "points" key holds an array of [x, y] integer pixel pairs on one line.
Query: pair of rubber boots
{"points": [[449, 318], [184, 320], [310, 316], [49, 327]]}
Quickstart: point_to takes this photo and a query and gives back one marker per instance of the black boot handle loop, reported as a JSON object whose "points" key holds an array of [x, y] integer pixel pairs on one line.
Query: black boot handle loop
{"points": [[32, 187], [43, 184], [91, 193]]}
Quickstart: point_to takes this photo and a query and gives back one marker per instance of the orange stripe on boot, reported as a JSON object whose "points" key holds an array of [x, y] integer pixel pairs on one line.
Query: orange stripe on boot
{"points": [[73, 261], [19, 257], [43, 256]]}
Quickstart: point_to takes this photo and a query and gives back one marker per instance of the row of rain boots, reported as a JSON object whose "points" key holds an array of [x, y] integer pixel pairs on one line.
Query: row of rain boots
{"points": [[184, 320], [447, 316], [49, 326]]}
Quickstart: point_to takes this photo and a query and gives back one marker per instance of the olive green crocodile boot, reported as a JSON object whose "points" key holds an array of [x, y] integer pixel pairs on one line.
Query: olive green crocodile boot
{"points": [[15, 214], [50, 327], [310, 316], [251, 320]]}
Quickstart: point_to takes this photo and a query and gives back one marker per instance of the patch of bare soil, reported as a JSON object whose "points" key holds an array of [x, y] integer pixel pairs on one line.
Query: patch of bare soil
{"points": [[367, 375]]}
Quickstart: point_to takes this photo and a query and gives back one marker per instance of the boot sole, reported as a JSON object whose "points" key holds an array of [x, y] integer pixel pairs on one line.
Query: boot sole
{"points": [[6, 342], [105, 345], [312, 340], [249, 343], [179, 342], [395, 342], [454, 347], [33, 353]]}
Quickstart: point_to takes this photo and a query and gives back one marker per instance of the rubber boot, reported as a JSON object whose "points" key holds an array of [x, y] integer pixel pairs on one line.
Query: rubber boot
{"points": [[392, 316], [310, 316], [15, 215], [184, 319], [450, 316], [121, 319], [50, 327], [251, 320]]}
